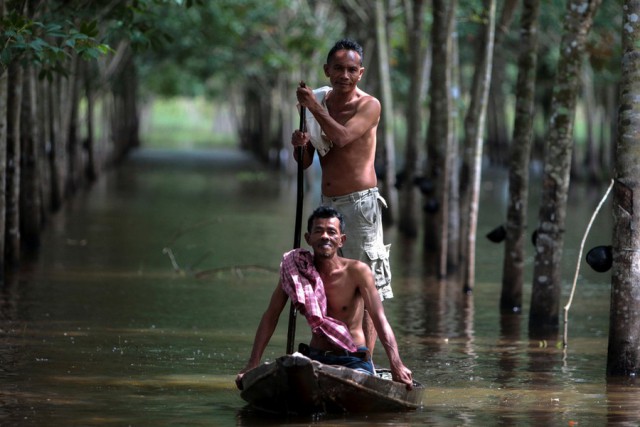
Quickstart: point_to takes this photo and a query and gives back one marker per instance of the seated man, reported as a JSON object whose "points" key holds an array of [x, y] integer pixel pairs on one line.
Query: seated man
{"points": [[332, 293]]}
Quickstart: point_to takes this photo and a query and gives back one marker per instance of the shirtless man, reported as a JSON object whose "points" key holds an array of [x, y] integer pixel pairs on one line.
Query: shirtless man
{"points": [[349, 289], [349, 121]]}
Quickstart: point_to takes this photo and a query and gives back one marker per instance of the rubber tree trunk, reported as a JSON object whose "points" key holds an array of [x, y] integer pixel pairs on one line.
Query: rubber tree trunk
{"points": [[520, 154], [593, 110], [474, 126], [4, 88], [453, 165], [74, 166], [45, 164], [56, 98], [623, 356], [386, 144], [12, 209], [545, 295], [91, 168], [256, 125], [607, 148], [497, 129], [408, 215], [439, 134], [126, 122], [30, 176]]}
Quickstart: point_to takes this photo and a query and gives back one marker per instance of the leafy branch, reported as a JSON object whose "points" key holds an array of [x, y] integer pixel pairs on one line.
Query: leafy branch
{"points": [[48, 44]]}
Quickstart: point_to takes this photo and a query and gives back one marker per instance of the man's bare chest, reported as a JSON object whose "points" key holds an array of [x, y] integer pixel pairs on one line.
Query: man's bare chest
{"points": [[342, 117], [340, 299], [342, 113]]}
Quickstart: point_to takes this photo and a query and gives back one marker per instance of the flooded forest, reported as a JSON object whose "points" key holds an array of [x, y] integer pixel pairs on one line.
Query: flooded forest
{"points": [[149, 190]]}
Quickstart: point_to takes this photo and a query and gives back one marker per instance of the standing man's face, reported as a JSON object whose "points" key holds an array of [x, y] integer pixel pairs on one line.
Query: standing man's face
{"points": [[344, 70]]}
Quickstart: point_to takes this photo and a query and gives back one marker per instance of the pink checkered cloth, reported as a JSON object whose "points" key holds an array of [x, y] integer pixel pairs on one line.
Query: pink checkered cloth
{"points": [[302, 283]]}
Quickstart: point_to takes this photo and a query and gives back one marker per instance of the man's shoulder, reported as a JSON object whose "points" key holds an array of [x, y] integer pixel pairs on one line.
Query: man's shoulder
{"points": [[356, 266], [366, 97], [368, 102]]}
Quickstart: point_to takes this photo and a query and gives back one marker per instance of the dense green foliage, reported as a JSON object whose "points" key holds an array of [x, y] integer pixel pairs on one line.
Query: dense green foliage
{"points": [[214, 44], [229, 42], [189, 48], [48, 40]]}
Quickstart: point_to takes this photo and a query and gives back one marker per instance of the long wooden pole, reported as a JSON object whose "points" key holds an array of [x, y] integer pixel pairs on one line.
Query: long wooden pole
{"points": [[291, 332]]}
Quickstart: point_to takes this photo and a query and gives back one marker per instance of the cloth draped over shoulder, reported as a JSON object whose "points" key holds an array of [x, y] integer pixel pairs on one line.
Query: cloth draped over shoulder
{"points": [[318, 139], [302, 283]]}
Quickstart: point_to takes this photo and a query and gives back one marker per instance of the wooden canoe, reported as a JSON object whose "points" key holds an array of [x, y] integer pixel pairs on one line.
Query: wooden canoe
{"points": [[295, 384]]}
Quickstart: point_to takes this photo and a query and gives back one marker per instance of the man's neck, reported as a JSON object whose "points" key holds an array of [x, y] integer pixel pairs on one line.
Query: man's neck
{"points": [[326, 264], [342, 97]]}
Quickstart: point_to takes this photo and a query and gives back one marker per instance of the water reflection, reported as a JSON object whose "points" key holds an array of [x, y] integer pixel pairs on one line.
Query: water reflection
{"points": [[9, 351], [104, 328], [623, 401], [507, 349]]}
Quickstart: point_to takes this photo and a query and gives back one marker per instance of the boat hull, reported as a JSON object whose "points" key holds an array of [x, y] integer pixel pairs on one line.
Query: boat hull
{"points": [[295, 384]]}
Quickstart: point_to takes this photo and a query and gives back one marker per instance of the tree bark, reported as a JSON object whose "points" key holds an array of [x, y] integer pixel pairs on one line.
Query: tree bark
{"points": [[4, 89], [516, 226], [126, 116], [74, 172], [57, 151], [12, 209], [386, 144], [472, 162], [30, 176], [607, 149], [45, 162], [256, 126], [590, 164], [408, 215], [453, 165], [91, 168], [439, 135], [623, 356], [497, 130], [545, 296]]}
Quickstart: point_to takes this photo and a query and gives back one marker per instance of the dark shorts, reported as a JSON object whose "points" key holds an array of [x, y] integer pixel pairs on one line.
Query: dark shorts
{"points": [[359, 360]]}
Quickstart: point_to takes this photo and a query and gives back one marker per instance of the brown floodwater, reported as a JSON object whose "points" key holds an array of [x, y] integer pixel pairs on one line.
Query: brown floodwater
{"points": [[142, 304]]}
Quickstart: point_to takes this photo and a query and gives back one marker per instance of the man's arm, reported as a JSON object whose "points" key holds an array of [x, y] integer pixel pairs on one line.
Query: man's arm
{"points": [[265, 330], [373, 305], [366, 116]]}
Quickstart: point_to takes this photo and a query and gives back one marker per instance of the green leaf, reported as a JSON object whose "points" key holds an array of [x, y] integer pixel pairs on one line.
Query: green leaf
{"points": [[90, 29], [90, 53], [37, 44], [104, 49]]}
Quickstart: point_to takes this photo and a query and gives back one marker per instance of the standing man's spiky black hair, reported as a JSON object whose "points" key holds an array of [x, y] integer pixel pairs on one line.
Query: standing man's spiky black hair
{"points": [[347, 44]]}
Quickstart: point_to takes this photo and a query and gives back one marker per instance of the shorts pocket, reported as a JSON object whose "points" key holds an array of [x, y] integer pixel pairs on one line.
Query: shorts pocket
{"points": [[379, 263], [368, 209]]}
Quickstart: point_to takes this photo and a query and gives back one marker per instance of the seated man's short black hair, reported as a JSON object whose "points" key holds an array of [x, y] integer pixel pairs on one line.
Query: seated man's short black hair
{"points": [[325, 212]]}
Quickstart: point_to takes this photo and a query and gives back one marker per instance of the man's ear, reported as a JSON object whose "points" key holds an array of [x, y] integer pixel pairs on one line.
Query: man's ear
{"points": [[325, 67], [306, 238]]}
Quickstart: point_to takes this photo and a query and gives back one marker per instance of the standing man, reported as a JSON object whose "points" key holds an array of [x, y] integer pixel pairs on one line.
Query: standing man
{"points": [[342, 128]]}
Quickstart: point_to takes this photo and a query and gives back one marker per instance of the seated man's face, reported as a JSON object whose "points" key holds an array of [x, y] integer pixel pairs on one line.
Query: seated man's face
{"points": [[325, 237]]}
